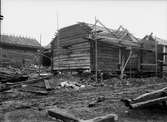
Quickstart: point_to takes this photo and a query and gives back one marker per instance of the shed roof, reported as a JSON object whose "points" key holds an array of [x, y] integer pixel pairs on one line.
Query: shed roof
{"points": [[19, 41]]}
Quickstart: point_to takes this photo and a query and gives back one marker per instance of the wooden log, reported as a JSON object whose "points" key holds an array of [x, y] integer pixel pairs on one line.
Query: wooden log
{"points": [[106, 118], [19, 84], [147, 99], [149, 102], [64, 115], [39, 92], [72, 68]]}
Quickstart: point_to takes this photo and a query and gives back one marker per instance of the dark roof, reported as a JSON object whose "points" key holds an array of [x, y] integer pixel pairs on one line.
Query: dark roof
{"points": [[19, 41]]}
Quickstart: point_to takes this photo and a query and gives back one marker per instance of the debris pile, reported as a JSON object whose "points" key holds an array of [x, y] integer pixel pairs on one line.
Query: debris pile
{"points": [[96, 101], [74, 85], [11, 75], [82, 96], [11, 78]]}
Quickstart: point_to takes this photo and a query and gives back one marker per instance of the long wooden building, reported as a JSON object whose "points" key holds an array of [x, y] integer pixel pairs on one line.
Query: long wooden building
{"points": [[18, 51], [85, 46]]}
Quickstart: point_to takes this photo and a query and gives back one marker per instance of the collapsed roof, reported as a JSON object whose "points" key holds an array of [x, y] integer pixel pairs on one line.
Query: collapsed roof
{"points": [[119, 37]]}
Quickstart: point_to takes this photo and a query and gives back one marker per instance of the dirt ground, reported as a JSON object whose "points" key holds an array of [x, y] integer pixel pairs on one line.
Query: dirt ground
{"points": [[20, 105]]}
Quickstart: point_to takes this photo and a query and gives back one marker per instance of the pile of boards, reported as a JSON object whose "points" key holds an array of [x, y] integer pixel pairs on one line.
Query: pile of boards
{"points": [[11, 75]]}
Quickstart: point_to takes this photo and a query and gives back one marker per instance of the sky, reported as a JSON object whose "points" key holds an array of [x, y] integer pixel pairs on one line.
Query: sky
{"points": [[40, 19]]}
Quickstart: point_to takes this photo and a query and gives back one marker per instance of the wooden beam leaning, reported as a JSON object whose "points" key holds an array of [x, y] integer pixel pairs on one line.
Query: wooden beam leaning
{"points": [[123, 66]]}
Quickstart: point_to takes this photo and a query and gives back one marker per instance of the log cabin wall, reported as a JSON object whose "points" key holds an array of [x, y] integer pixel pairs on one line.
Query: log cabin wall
{"points": [[71, 49], [18, 51], [74, 48], [107, 57], [18, 56]]}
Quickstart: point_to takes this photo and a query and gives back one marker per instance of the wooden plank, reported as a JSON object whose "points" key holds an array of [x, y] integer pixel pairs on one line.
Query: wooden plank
{"points": [[71, 68], [65, 116], [147, 99], [62, 114], [72, 56], [149, 102]]}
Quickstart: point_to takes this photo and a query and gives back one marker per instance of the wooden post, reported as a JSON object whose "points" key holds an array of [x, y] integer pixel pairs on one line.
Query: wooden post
{"points": [[120, 60], [57, 42], [141, 61], [52, 56], [1, 17], [164, 60], [40, 56], [96, 61], [130, 68], [164, 51], [156, 66], [120, 56]]}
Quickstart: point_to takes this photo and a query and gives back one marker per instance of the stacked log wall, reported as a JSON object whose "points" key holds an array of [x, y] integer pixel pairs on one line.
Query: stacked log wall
{"points": [[18, 56], [107, 57], [71, 50]]}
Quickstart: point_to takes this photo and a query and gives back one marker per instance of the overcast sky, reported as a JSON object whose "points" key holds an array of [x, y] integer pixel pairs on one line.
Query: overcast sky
{"points": [[31, 18]]}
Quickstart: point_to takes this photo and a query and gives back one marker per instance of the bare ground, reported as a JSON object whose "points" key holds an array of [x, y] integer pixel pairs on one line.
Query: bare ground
{"points": [[17, 105]]}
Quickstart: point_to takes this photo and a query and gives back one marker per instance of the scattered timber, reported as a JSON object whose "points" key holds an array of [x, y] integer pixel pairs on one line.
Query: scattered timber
{"points": [[11, 75], [148, 99], [39, 92], [5, 87], [18, 51]]}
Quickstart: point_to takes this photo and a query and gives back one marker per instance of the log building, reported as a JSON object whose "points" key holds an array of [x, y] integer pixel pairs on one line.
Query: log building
{"points": [[18, 50], [96, 48]]}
